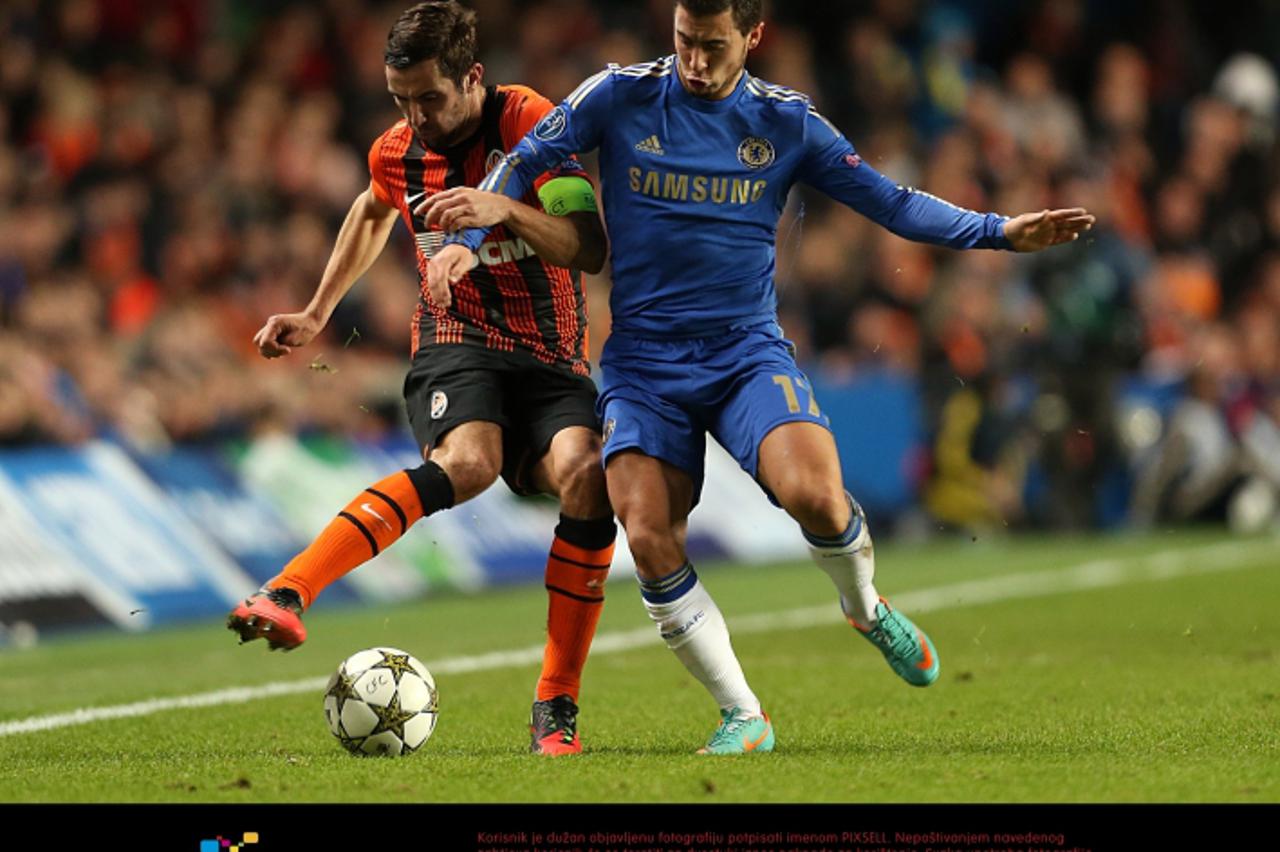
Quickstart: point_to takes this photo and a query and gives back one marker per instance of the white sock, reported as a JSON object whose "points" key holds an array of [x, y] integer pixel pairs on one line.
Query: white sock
{"points": [[849, 560], [692, 626]]}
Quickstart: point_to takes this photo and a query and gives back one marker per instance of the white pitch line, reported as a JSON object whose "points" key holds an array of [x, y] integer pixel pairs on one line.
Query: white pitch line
{"points": [[1103, 573]]}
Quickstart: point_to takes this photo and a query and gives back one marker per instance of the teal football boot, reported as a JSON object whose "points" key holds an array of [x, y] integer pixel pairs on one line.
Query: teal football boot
{"points": [[908, 650], [740, 733]]}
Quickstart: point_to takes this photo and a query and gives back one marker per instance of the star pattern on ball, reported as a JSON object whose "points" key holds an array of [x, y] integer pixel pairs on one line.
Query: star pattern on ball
{"points": [[397, 664], [391, 718], [343, 688]]}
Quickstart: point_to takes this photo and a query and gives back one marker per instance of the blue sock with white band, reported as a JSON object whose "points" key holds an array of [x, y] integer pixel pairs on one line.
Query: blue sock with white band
{"points": [[692, 626], [849, 560]]}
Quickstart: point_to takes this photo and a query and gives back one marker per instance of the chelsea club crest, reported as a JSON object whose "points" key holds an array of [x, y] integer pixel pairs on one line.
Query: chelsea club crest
{"points": [[756, 152]]}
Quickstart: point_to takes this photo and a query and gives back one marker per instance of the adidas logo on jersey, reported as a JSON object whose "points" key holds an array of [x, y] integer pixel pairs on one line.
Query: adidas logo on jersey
{"points": [[651, 146]]}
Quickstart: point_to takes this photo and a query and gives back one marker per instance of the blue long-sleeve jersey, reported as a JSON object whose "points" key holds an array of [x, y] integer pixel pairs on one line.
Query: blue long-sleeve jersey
{"points": [[693, 190]]}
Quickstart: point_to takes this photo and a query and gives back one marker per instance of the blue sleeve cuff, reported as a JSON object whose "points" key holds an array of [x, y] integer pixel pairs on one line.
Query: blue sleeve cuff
{"points": [[995, 232], [471, 238]]}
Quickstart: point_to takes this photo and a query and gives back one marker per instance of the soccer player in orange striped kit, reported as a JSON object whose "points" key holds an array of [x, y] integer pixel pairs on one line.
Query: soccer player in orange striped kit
{"points": [[499, 382]]}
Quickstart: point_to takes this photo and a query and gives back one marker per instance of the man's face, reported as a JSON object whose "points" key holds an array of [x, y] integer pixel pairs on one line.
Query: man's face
{"points": [[712, 52], [438, 110]]}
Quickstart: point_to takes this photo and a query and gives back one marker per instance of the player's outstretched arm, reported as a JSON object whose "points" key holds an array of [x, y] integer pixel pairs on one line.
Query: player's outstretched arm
{"points": [[919, 216], [1036, 231], [363, 235], [831, 164]]}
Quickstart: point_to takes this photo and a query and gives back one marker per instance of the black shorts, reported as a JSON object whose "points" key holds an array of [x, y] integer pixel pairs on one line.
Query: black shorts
{"points": [[449, 385]]}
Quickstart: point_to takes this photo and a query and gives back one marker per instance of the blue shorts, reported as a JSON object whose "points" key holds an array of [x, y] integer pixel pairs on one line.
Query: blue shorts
{"points": [[661, 397]]}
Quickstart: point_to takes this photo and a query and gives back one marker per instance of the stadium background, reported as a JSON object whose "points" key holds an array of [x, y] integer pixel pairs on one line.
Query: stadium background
{"points": [[171, 173]]}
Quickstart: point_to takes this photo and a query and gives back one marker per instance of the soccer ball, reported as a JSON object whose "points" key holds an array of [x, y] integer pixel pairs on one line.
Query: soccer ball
{"points": [[381, 701]]}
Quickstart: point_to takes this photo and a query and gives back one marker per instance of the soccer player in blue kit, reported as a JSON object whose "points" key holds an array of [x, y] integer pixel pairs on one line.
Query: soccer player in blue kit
{"points": [[697, 158]]}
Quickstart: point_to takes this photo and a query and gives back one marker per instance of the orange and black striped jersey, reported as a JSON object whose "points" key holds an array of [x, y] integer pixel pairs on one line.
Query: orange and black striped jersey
{"points": [[511, 299]]}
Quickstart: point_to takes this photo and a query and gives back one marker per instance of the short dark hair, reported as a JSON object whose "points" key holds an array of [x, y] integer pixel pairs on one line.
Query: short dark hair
{"points": [[441, 30], [746, 13]]}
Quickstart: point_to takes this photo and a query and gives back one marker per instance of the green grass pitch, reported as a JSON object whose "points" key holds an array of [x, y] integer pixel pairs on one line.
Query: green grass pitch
{"points": [[1132, 669]]}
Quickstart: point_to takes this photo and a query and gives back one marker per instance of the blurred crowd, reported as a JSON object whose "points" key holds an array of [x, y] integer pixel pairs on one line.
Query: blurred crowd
{"points": [[172, 172]]}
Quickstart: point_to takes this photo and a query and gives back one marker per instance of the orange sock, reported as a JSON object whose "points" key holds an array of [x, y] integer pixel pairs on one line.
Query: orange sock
{"points": [[369, 524], [577, 569]]}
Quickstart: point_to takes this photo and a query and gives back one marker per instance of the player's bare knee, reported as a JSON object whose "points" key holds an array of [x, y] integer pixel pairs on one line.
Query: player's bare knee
{"points": [[656, 551], [470, 470], [820, 511]]}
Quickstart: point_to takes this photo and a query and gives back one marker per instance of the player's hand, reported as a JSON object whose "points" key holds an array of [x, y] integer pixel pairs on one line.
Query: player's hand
{"points": [[284, 332], [464, 207], [446, 269], [1035, 231]]}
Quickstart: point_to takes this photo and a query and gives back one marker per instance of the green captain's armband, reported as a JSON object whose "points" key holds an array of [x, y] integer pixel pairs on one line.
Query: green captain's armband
{"points": [[564, 195]]}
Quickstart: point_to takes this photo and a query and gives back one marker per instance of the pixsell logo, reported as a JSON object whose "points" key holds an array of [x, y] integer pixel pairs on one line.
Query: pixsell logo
{"points": [[224, 844]]}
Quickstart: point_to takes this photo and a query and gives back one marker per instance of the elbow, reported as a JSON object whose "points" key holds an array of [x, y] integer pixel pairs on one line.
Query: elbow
{"points": [[592, 259], [593, 249]]}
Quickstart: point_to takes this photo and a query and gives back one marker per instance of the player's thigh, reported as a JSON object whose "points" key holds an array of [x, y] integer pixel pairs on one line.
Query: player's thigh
{"points": [[552, 444], [770, 392], [800, 467], [640, 420], [649, 491], [652, 498], [454, 399], [572, 470]]}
